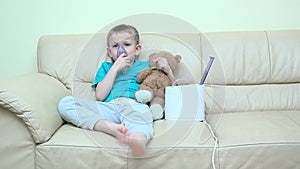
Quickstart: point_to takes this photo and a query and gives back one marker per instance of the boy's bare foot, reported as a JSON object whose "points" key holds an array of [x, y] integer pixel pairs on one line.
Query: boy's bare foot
{"points": [[110, 128], [137, 142]]}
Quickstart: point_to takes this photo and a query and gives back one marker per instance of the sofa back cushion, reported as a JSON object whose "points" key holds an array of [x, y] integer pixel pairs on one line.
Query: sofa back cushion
{"points": [[58, 55], [241, 58], [253, 71], [75, 59]]}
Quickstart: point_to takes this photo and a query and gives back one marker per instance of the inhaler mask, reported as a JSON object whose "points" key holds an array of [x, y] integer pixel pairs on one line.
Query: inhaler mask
{"points": [[121, 50]]}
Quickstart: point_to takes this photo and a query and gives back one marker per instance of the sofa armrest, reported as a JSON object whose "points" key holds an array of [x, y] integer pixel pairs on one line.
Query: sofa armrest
{"points": [[34, 98]]}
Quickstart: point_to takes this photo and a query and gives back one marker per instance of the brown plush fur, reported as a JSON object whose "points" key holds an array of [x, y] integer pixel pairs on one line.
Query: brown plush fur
{"points": [[156, 80]]}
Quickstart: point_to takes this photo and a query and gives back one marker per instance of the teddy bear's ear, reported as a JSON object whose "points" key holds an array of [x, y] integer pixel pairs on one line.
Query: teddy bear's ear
{"points": [[178, 58], [152, 54]]}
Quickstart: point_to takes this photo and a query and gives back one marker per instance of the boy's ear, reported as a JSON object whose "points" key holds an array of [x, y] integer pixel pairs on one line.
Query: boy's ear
{"points": [[108, 52], [138, 49]]}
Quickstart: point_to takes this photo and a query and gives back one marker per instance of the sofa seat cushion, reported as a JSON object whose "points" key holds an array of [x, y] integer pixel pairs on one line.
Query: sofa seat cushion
{"points": [[177, 144], [95, 149], [258, 139], [172, 142]]}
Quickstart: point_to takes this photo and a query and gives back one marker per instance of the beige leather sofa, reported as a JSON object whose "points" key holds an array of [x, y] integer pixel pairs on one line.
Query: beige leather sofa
{"points": [[252, 103]]}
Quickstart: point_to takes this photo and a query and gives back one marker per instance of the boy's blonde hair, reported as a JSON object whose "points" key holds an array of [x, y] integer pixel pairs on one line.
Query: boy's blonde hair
{"points": [[124, 28]]}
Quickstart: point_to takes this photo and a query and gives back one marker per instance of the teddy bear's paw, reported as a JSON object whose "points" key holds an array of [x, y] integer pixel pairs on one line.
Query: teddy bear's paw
{"points": [[143, 96], [157, 111]]}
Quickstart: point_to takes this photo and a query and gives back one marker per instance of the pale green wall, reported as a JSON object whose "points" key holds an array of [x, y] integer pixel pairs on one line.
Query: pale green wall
{"points": [[23, 22]]}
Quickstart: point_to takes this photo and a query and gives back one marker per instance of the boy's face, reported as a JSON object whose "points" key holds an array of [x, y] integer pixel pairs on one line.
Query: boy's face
{"points": [[125, 39]]}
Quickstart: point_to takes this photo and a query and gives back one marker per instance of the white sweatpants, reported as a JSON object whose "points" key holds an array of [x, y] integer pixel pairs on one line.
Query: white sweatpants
{"points": [[85, 113]]}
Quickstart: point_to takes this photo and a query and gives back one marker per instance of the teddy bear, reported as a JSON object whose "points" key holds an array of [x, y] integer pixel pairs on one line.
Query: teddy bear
{"points": [[153, 82]]}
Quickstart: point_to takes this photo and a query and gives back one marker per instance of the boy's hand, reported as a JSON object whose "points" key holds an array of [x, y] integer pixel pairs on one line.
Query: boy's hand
{"points": [[122, 61], [163, 64]]}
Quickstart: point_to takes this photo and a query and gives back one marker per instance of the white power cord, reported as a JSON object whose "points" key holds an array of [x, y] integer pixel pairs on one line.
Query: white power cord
{"points": [[215, 145]]}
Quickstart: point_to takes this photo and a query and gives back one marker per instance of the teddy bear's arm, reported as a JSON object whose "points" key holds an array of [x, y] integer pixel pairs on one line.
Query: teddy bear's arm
{"points": [[143, 75]]}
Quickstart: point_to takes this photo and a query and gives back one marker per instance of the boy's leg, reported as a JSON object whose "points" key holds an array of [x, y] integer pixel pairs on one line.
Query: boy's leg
{"points": [[86, 114], [105, 117], [139, 123]]}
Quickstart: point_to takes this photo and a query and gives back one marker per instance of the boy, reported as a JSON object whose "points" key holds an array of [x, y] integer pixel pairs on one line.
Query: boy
{"points": [[117, 113]]}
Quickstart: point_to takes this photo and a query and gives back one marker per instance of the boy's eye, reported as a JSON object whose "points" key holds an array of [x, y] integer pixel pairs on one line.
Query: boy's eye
{"points": [[127, 44], [114, 46]]}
